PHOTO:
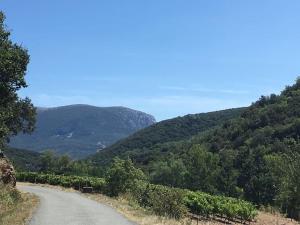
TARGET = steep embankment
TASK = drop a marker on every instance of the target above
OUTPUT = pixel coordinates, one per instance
(7, 172)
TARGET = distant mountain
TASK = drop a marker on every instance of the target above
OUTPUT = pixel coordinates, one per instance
(80, 130)
(141, 145)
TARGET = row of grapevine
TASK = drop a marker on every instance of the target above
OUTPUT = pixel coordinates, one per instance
(76, 182)
(211, 205)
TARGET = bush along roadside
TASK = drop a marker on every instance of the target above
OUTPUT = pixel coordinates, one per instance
(161, 200)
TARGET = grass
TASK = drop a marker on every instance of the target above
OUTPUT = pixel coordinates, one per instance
(16, 207)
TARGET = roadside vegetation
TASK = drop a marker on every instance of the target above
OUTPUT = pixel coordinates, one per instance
(124, 179)
(15, 207)
(254, 156)
(16, 115)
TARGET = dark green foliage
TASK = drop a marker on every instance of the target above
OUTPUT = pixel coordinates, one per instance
(230, 159)
(203, 170)
(269, 126)
(16, 114)
(289, 196)
(24, 160)
(142, 146)
(228, 174)
(171, 172)
(162, 200)
(286, 169)
(51, 163)
(122, 177)
(80, 130)
(48, 162)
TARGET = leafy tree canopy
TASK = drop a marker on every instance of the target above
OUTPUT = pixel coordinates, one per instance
(16, 114)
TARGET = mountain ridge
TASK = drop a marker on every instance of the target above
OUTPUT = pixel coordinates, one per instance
(79, 130)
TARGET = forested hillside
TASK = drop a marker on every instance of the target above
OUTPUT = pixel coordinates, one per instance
(80, 130)
(254, 156)
(155, 136)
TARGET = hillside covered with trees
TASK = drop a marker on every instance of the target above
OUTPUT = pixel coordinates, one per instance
(254, 156)
(23, 160)
(155, 136)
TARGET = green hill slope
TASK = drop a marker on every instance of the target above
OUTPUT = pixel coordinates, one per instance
(80, 130)
(269, 128)
(255, 155)
(23, 160)
(142, 144)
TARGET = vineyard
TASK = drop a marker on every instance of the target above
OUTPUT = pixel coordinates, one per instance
(76, 182)
(162, 200)
(219, 206)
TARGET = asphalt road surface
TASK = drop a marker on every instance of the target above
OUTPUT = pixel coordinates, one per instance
(67, 208)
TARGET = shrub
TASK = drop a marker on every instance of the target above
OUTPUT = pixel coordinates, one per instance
(162, 200)
(122, 176)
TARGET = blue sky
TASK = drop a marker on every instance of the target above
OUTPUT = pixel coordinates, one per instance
(163, 57)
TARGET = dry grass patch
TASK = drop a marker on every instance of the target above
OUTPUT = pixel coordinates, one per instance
(16, 208)
(264, 218)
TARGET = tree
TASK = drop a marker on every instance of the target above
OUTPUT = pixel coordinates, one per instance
(227, 180)
(122, 176)
(203, 169)
(47, 161)
(171, 172)
(63, 164)
(16, 114)
(287, 168)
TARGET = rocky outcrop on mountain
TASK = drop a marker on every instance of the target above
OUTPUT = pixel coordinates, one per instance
(7, 172)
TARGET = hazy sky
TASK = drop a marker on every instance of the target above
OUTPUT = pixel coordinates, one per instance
(163, 57)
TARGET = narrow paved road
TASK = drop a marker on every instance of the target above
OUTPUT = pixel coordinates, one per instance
(67, 208)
